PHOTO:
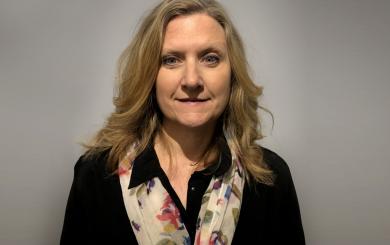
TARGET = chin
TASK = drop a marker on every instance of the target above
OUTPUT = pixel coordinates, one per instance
(196, 122)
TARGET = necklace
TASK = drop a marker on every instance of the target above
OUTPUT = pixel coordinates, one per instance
(195, 163)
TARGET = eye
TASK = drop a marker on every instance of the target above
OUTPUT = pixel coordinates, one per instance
(211, 59)
(169, 60)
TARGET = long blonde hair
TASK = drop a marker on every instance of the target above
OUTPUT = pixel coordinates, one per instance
(137, 117)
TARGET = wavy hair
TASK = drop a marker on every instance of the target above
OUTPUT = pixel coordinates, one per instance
(137, 118)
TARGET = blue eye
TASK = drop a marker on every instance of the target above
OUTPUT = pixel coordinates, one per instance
(169, 60)
(211, 59)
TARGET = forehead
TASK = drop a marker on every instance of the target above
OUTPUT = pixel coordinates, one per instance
(193, 30)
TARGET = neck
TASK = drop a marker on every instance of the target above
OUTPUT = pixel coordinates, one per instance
(183, 144)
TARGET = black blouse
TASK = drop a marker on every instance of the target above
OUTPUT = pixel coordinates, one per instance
(95, 213)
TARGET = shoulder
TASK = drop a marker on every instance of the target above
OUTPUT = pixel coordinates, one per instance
(88, 163)
(279, 167)
(275, 162)
(274, 208)
(91, 168)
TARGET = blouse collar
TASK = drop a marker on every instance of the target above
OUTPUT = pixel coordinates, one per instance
(146, 165)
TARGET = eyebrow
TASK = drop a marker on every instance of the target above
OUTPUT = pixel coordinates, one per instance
(208, 49)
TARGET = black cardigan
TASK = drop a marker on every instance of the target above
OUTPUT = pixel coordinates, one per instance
(95, 213)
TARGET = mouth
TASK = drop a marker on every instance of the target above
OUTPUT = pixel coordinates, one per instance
(192, 100)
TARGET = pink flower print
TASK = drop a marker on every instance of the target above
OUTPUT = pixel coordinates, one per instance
(197, 238)
(219, 201)
(169, 212)
(122, 171)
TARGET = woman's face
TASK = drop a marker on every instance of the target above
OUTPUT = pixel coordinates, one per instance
(193, 83)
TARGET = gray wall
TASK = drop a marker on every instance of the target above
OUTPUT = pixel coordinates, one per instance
(325, 66)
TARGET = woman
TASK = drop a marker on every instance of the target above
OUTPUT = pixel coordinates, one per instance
(177, 161)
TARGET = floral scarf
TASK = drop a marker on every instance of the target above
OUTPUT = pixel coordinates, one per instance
(155, 219)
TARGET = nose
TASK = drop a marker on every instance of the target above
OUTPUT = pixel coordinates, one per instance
(191, 77)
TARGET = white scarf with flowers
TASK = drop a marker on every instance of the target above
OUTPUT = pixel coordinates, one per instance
(155, 219)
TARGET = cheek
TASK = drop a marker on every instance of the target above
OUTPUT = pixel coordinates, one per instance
(162, 98)
(167, 77)
(222, 88)
(165, 89)
(162, 84)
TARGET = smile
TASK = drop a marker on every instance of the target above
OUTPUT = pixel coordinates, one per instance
(192, 100)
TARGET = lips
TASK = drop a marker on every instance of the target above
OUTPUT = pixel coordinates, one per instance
(193, 100)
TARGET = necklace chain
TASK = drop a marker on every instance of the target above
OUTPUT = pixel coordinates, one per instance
(194, 164)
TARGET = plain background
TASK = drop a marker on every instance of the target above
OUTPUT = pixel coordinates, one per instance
(324, 64)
